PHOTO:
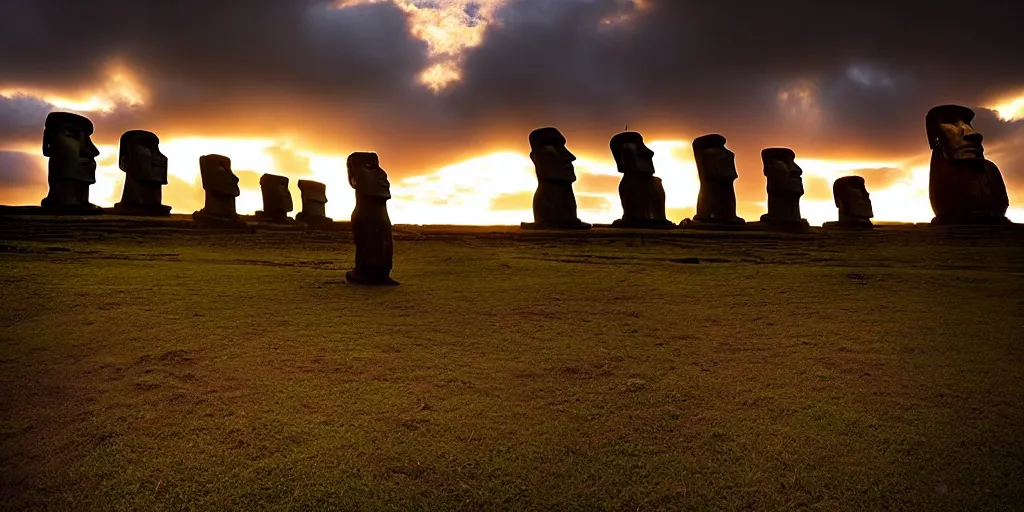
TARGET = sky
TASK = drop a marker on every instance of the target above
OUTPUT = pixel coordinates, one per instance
(446, 92)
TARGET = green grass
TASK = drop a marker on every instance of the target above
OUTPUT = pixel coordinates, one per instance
(162, 368)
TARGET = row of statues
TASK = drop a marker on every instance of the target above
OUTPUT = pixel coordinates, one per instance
(964, 187)
(371, 225)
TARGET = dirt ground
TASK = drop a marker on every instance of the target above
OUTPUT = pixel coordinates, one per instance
(148, 365)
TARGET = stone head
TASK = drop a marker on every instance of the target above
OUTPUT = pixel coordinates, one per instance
(551, 158)
(313, 191)
(784, 175)
(275, 191)
(715, 162)
(631, 154)
(366, 176)
(852, 197)
(67, 141)
(140, 157)
(950, 131)
(217, 175)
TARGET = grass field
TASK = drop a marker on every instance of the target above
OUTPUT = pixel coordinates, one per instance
(155, 367)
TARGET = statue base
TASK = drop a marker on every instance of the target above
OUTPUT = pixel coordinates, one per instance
(735, 225)
(643, 224)
(848, 226)
(972, 221)
(316, 222)
(142, 210)
(207, 221)
(352, 277)
(787, 226)
(545, 226)
(261, 216)
(49, 207)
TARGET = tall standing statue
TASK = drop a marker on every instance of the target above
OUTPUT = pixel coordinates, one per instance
(314, 204)
(221, 186)
(554, 204)
(145, 169)
(67, 141)
(641, 192)
(964, 187)
(277, 199)
(785, 188)
(371, 225)
(716, 170)
(854, 203)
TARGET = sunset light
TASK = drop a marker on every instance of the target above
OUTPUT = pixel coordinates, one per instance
(497, 188)
(120, 87)
(1011, 109)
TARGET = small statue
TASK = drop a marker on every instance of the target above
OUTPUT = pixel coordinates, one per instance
(554, 204)
(277, 199)
(314, 205)
(145, 169)
(221, 186)
(785, 187)
(641, 192)
(964, 187)
(716, 170)
(371, 225)
(67, 141)
(854, 203)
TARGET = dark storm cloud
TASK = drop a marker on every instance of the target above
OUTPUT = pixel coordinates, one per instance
(18, 169)
(703, 66)
(345, 78)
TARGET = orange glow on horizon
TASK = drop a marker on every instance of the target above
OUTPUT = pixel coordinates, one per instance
(497, 188)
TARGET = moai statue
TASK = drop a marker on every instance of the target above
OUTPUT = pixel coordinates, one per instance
(964, 187)
(277, 199)
(854, 203)
(716, 170)
(785, 187)
(314, 204)
(554, 205)
(371, 225)
(221, 186)
(68, 143)
(145, 169)
(641, 192)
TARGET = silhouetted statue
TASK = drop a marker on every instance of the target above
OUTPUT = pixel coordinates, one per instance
(371, 225)
(716, 169)
(554, 205)
(68, 143)
(145, 169)
(314, 204)
(964, 187)
(854, 203)
(277, 199)
(641, 192)
(785, 187)
(221, 186)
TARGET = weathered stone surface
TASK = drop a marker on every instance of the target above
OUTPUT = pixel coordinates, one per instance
(854, 203)
(964, 187)
(785, 188)
(145, 169)
(640, 191)
(554, 203)
(371, 225)
(716, 170)
(277, 199)
(67, 142)
(314, 205)
(221, 187)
